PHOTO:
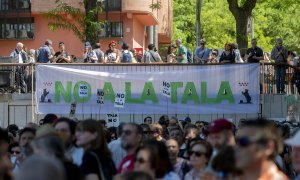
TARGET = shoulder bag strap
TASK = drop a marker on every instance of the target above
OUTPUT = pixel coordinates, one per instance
(99, 165)
(152, 56)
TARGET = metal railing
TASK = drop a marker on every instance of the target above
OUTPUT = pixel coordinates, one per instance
(15, 77)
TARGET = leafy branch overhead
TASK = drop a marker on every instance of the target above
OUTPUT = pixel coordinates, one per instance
(84, 25)
(156, 6)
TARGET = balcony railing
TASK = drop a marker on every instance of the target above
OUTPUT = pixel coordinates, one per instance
(111, 29)
(12, 80)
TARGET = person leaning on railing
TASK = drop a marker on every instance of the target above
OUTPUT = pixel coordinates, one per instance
(296, 76)
(279, 54)
(228, 56)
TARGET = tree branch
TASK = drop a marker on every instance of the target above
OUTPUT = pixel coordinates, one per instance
(233, 7)
(249, 6)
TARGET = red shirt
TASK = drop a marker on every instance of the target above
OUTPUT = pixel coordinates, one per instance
(127, 164)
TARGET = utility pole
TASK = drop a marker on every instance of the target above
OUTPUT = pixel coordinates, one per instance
(198, 23)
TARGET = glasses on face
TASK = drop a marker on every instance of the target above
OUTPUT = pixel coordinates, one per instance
(15, 152)
(197, 153)
(246, 141)
(127, 132)
(140, 160)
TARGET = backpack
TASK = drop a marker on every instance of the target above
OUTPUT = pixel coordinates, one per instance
(189, 56)
(126, 57)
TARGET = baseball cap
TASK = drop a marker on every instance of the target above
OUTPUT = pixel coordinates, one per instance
(220, 125)
(294, 141)
(87, 44)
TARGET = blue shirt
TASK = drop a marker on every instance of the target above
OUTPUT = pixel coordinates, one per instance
(44, 54)
(202, 54)
(182, 51)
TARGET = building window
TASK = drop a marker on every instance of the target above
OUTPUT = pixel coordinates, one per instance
(16, 28)
(111, 29)
(14, 5)
(112, 5)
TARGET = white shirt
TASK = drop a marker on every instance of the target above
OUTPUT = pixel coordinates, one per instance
(118, 153)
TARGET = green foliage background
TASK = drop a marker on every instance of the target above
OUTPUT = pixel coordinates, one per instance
(272, 19)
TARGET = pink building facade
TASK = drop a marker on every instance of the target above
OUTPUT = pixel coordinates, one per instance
(23, 21)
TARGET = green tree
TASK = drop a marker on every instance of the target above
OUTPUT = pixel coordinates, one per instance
(84, 25)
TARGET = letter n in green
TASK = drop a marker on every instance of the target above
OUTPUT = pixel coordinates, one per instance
(61, 91)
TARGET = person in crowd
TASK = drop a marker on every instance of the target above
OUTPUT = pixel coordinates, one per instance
(62, 56)
(118, 153)
(173, 123)
(99, 53)
(13, 129)
(89, 56)
(157, 130)
(199, 153)
(171, 54)
(296, 77)
(48, 119)
(131, 138)
(164, 122)
(148, 120)
(191, 132)
(202, 126)
(202, 53)
(18, 54)
(147, 133)
(26, 135)
(255, 53)
(279, 54)
(238, 58)
(136, 57)
(6, 166)
(14, 151)
(224, 164)
(181, 56)
(294, 142)
(221, 133)
(96, 162)
(214, 56)
(65, 127)
(153, 158)
(180, 165)
(31, 56)
(177, 134)
(112, 133)
(258, 143)
(228, 55)
(37, 167)
(127, 56)
(151, 56)
(50, 145)
(112, 55)
(45, 53)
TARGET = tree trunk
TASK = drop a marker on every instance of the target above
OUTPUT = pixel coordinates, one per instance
(241, 32)
(241, 15)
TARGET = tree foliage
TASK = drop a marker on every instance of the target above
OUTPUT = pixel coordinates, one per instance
(84, 25)
(272, 19)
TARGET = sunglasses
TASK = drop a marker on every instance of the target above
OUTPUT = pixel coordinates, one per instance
(246, 141)
(15, 152)
(140, 160)
(127, 132)
(197, 153)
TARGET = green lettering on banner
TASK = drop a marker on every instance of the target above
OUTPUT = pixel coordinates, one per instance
(128, 98)
(174, 87)
(149, 93)
(204, 98)
(190, 94)
(61, 91)
(225, 93)
(109, 93)
(76, 92)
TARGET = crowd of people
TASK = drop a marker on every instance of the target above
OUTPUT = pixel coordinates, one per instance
(167, 149)
(176, 53)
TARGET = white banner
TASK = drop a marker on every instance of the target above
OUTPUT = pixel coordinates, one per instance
(208, 89)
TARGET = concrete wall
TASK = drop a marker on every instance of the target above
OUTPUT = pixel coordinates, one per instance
(17, 109)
